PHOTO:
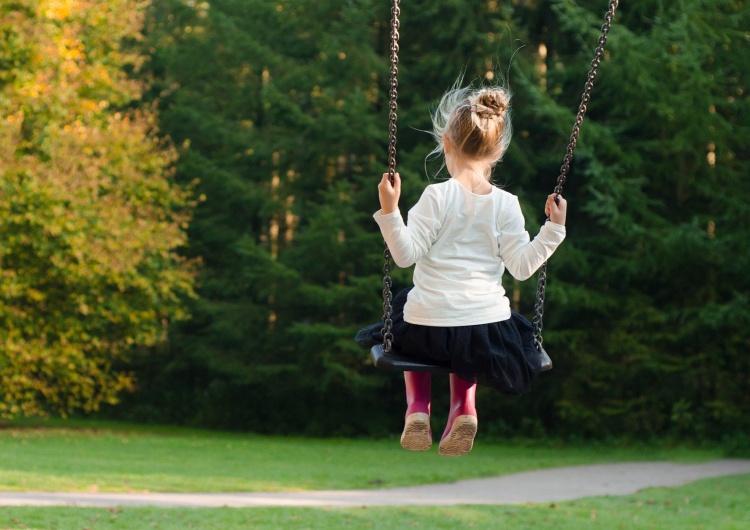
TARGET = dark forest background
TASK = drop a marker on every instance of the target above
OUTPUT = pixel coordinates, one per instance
(278, 111)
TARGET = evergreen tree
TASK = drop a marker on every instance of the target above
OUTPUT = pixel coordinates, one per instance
(280, 115)
(281, 112)
(646, 313)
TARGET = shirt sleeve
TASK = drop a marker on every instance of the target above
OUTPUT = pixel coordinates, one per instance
(409, 242)
(521, 256)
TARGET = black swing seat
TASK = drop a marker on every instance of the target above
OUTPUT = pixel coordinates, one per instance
(401, 363)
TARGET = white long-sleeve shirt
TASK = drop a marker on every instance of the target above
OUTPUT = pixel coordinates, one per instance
(462, 243)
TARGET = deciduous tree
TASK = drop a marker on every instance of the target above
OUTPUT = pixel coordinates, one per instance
(89, 216)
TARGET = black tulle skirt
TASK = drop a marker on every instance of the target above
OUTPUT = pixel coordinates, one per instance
(500, 355)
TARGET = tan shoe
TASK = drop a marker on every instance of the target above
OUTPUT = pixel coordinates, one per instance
(460, 438)
(417, 435)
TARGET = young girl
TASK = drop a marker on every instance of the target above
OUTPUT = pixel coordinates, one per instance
(462, 234)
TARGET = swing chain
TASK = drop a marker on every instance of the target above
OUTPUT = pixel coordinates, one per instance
(392, 129)
(541, 285)
(568, 158)
(387, 302)
(393, 92)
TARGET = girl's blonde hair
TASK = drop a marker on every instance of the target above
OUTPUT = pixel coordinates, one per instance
(477, 122)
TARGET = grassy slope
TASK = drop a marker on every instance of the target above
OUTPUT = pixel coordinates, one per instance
(95, 457)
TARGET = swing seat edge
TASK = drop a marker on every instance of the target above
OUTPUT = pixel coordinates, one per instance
(402, 363)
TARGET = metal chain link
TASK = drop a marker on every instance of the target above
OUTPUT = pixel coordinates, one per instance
(565, 169)
(392, 129)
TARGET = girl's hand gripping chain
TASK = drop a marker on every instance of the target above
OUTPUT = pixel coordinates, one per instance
(389, 193)
(556, 210)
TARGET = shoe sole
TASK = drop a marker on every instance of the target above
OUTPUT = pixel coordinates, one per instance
(460, 439)
(417, 435)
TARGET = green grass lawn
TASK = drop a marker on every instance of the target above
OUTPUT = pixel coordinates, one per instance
(709, 504)
(88, 456)
(94, 456)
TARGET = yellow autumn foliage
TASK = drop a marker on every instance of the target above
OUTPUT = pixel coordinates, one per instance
(90, 219)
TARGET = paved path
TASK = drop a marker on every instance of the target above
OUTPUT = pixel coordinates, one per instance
(550, 485)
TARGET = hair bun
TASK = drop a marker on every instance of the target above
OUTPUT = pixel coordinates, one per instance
(495, 100)
(476, 120)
